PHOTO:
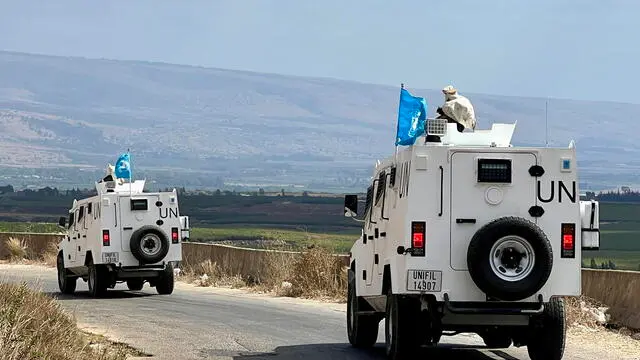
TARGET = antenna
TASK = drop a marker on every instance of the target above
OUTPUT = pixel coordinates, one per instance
(546, 122)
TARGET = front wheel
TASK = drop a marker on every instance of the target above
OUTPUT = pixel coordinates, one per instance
(66, 283)
(165, 284)
(362, 330)
(547, 340)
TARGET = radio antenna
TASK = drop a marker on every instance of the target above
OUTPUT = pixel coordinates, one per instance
(546, 122)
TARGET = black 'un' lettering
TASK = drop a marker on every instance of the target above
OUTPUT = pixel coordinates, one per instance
(550, 196)
(564, 189)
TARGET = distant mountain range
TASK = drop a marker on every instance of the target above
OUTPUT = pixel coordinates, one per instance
(62, 119)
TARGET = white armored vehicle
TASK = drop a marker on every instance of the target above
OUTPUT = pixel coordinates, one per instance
(465, 233)
(122, 234)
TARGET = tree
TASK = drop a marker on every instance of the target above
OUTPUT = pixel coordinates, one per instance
(594, 265)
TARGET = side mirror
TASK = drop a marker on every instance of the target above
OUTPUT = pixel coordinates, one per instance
(350, 205)
(62, 222)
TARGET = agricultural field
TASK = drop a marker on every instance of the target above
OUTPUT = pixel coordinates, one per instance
(620, 237)
(278, 239)
(29, 227)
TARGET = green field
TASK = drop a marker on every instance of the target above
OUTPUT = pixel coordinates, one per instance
(29, 227)
(275, 238)
(623, 260)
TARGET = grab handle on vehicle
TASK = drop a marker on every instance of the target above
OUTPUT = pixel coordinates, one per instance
(441, 189)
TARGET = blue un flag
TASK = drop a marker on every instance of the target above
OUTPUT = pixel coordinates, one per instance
(123, 167)
(412, 115)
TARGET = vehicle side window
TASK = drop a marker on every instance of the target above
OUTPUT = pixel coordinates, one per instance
(76, 222)
(382, 184)
(369, 201)
(71, 219)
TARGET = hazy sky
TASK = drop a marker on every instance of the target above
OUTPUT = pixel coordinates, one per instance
(581, 49)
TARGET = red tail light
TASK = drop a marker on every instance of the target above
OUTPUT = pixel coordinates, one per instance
(418, 237)
(106, 240)
(174, 235)
(418, 240)
(568, 241)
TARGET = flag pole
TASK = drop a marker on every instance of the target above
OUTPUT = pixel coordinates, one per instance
(395, 153)
(130, 172)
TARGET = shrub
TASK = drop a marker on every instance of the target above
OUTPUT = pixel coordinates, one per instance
(33, 326)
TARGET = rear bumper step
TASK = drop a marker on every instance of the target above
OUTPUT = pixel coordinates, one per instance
(495, 307)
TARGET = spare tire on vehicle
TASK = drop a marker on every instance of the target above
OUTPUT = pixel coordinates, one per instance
(149, 244)
(510, 258)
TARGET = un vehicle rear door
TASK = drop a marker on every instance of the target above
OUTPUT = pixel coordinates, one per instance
(136, 211)
(484, 187)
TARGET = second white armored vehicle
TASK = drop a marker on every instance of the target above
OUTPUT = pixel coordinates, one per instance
(122, 234)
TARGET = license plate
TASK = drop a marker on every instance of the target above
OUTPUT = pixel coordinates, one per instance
(424, 280)
(110, 257)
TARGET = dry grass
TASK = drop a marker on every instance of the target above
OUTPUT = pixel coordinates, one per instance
(50, 256)
(578, 310)
(317, 274)
(17, 249)
(314, 274)
(208, 273)
(34, 326)
(18, 252)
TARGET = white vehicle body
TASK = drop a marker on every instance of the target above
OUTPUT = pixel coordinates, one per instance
(472, 234)
(122, 234)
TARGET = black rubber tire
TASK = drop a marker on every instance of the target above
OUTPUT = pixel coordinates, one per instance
(401, 335)
(135, 284)
(547, 341)
(478, 256)
(136, 245)
(66, 284)
(165, 283)
(97, 280)
(362, 330)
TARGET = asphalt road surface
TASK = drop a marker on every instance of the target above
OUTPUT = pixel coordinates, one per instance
(209, 323)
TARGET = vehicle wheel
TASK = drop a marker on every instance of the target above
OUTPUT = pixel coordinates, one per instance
(66, 283)
(362, 330)
(97, 281)
(401, 335)
(135, 284)
(547, 341)
(510, 258)
(149, 244)
(496, 339)
(164, 285)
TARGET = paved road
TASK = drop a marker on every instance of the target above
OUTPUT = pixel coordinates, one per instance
(199, 323)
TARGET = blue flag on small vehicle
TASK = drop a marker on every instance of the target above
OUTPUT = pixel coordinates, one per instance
(123, 166)
(412, 115)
